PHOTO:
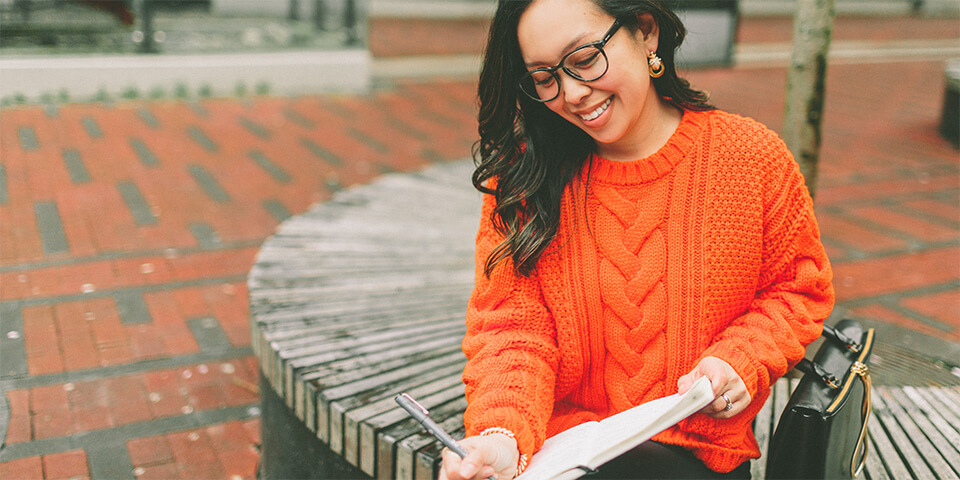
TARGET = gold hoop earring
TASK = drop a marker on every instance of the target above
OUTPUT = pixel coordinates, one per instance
(656, 65)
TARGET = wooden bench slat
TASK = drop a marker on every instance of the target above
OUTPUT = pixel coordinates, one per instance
(384, 411)
(334, 402)
(946, 422)
(292, 322)
(912, 422)
(448, 333)
(944, 458)
(885, 450)
(900, 439)
(317, 348)
(390, 359)
(763, 431)
(426, 466)
(344, 396)
(370, 429)
(408, 438)
(393, 338)
(873, 467)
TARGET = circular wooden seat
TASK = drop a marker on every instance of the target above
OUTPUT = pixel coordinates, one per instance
(359, 299)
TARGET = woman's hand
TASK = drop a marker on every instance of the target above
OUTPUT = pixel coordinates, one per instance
(487, 455)
(731, 393)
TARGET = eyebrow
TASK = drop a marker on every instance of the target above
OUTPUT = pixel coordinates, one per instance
(574, 43)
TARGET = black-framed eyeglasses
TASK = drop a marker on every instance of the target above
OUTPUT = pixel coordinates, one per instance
(586, 63)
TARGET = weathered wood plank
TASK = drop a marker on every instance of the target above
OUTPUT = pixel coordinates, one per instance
(370, 428)
(943, 458)
(398, 445)
(873, 467)
(912, 422)
(899, 438)
(763, 431)
(336, 401)
(374, 342)
(885, 450)
(339, 372)
(427, 460)
(945, 420)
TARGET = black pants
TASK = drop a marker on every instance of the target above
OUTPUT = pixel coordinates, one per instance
(652, 460)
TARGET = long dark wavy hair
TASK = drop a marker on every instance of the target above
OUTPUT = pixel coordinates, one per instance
(530, 152)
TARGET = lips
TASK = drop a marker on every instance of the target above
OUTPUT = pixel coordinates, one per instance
(596, 113)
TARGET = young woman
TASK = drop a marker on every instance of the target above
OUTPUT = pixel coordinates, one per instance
(633, 239)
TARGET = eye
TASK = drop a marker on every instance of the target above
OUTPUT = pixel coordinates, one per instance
(584, 58)
(542, 79)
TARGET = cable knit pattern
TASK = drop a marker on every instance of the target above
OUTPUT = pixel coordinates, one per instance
(709, 247)
(632, 244)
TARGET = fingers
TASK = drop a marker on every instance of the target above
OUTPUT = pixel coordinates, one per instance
(450, 468)
(486, 456)
(686, 381)
(731, 392)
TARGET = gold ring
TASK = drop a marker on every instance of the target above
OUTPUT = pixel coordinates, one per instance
(729, 403)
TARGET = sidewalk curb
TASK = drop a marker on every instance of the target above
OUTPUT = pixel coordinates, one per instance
(760, 55)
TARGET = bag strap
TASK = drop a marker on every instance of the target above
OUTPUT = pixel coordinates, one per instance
(839, 337)
(861, 370)
(813, 368)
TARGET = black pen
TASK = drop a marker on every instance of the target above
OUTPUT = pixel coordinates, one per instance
(420, 414)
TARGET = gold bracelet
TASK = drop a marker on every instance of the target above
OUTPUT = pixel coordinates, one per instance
(522, 463)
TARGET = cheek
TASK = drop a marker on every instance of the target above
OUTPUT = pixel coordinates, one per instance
(556, 106)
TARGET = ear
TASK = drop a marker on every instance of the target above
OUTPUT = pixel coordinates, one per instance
(648, 31)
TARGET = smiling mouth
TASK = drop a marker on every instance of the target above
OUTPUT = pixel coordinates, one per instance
(596, 113)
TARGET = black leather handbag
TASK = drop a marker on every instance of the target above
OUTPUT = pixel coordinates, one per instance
(822, 432)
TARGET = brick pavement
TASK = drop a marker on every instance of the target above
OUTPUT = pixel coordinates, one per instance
(127, 230)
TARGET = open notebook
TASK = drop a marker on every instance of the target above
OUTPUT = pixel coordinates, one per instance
(581, 449)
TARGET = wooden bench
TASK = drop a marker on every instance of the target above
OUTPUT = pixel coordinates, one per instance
(364, 297)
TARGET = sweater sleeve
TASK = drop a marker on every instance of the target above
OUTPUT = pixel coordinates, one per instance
(511, 349)
(794, 292)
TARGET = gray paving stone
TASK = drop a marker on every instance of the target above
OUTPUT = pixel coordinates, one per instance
(137, 205)
(143, 153)
(148, 117)
(13, 355)
(255, 128)
(321, 153)
(276, 209)
(28, 138)
(52, 236)
(132, 308)
(92, 127)
(268, 166)
(75, 166)
(209, 184)
(202, 139)
(207, 238)
(208, 333)
(4, 193)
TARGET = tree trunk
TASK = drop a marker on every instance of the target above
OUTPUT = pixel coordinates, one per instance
(812, 30)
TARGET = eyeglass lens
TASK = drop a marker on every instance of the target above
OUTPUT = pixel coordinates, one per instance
(586, 63)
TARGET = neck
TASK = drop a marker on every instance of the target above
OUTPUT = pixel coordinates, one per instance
(650, 134)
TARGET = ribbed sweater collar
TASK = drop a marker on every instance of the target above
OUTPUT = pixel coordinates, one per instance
(677, 148)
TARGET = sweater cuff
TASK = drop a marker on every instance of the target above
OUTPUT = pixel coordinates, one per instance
(741, 362)
(509, 419)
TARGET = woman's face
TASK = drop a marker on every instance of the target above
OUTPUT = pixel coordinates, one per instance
(614, 109)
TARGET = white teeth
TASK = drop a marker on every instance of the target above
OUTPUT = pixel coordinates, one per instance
(596, 113)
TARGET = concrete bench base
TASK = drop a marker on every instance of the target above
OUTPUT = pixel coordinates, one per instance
(290, 450)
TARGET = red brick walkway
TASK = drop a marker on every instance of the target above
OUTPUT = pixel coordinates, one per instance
(127, 231)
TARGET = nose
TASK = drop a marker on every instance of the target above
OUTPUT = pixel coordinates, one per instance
(573, 90)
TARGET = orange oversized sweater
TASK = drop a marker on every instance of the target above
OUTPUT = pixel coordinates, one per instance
(709, 247)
